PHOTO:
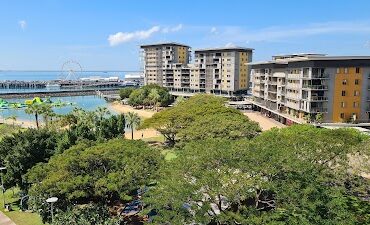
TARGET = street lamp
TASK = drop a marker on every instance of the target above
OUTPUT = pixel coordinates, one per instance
(2, 184)
(52, 200)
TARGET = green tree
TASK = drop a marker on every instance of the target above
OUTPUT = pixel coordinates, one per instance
(319, 117)
(179, 100)
(126, 92)
(154, 97)
(93, 173)
(36, 110)
(133, 120)
(201, 117)
(46, 110)
(13, 118)
(101, 112)
(296, 175)
(21, 151)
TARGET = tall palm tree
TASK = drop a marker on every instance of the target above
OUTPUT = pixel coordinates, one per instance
(133, 120)
(47, 112)
(12, 117)
(154, 97)
(34, 109)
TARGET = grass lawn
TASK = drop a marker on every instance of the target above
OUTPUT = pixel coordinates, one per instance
(154, 139)
(19, 217)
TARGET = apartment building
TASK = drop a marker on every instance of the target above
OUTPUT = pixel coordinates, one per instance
(304, 85)
(217, 70)
(221, 70)
(160, 59)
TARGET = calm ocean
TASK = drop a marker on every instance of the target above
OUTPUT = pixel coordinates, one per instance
(85, 102)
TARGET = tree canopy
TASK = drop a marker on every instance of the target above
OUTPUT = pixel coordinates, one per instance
(126, 92)
(97, 173)
(150, 95)
(296, 175)
(200, 117)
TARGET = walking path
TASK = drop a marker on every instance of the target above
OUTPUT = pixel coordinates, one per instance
(4, 220)
(264, 122)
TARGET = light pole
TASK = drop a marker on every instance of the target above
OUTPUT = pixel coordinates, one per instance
(2, 184)
(52, 200)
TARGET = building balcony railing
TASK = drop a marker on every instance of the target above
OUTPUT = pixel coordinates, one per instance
(272, 82)
(292, 86)
(293, 97)
(317, 98)
(315, 87)
(318, 110)
(272, 90)
(293, 76)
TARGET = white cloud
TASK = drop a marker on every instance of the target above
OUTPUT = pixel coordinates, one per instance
(172, 29)
(230, 45)
(214, 30)
(122, 37)
(22, 24)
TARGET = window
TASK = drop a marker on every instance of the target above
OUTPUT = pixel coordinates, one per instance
(357, 82)
(342, 115)
(357, 69)
(356, 105)
(346, 70)
(342, 104)
(356, 93)
(343, 93)
(344, 82)
(338, 70)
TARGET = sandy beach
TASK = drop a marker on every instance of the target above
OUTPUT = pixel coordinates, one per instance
(21, 123)
(144, 114)
(264, 122)
(119, 108)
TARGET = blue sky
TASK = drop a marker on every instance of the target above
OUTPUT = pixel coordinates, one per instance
(106, 34)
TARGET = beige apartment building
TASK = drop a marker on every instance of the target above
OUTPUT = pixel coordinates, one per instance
(304, 85)
(217, 70)
(160, 59)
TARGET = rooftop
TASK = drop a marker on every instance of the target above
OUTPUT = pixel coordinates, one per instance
(164, 44)
(285, 59)
(236, 48)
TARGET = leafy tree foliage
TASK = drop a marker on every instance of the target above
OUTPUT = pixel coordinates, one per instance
(150, 95)
(133, 121)
(21, 151)
(85, 215)
(93, 173)
(297, 175)
(125, 92)
(200, 117)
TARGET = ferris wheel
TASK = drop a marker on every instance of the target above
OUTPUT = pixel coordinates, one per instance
(71, 70)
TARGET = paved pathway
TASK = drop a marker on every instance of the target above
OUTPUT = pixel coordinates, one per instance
(4, 220)
(265, 123)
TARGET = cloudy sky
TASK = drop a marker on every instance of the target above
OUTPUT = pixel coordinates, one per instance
(106, 34)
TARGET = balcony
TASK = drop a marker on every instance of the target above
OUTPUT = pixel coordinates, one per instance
(292, 76)
(320, 76)
(292, 86)
(315, 87)
(272, 82)
(318, 110)
(318, 99)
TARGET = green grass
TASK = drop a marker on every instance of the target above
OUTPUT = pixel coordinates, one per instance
(155, 139)
(169, 155)
(18, 217)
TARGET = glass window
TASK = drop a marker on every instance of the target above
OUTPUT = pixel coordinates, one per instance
(346, 70)
(342, 115)
(357, 69)
(357, 82)
(344, 82)
(343, 93)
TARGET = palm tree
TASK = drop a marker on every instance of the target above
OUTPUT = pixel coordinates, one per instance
(12, 117)
(34, 109)
(133, 120)
(154, 97)
(47, 112)
(101, 112)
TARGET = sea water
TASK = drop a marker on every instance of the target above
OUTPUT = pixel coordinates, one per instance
(84, 102)
(88, 103)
